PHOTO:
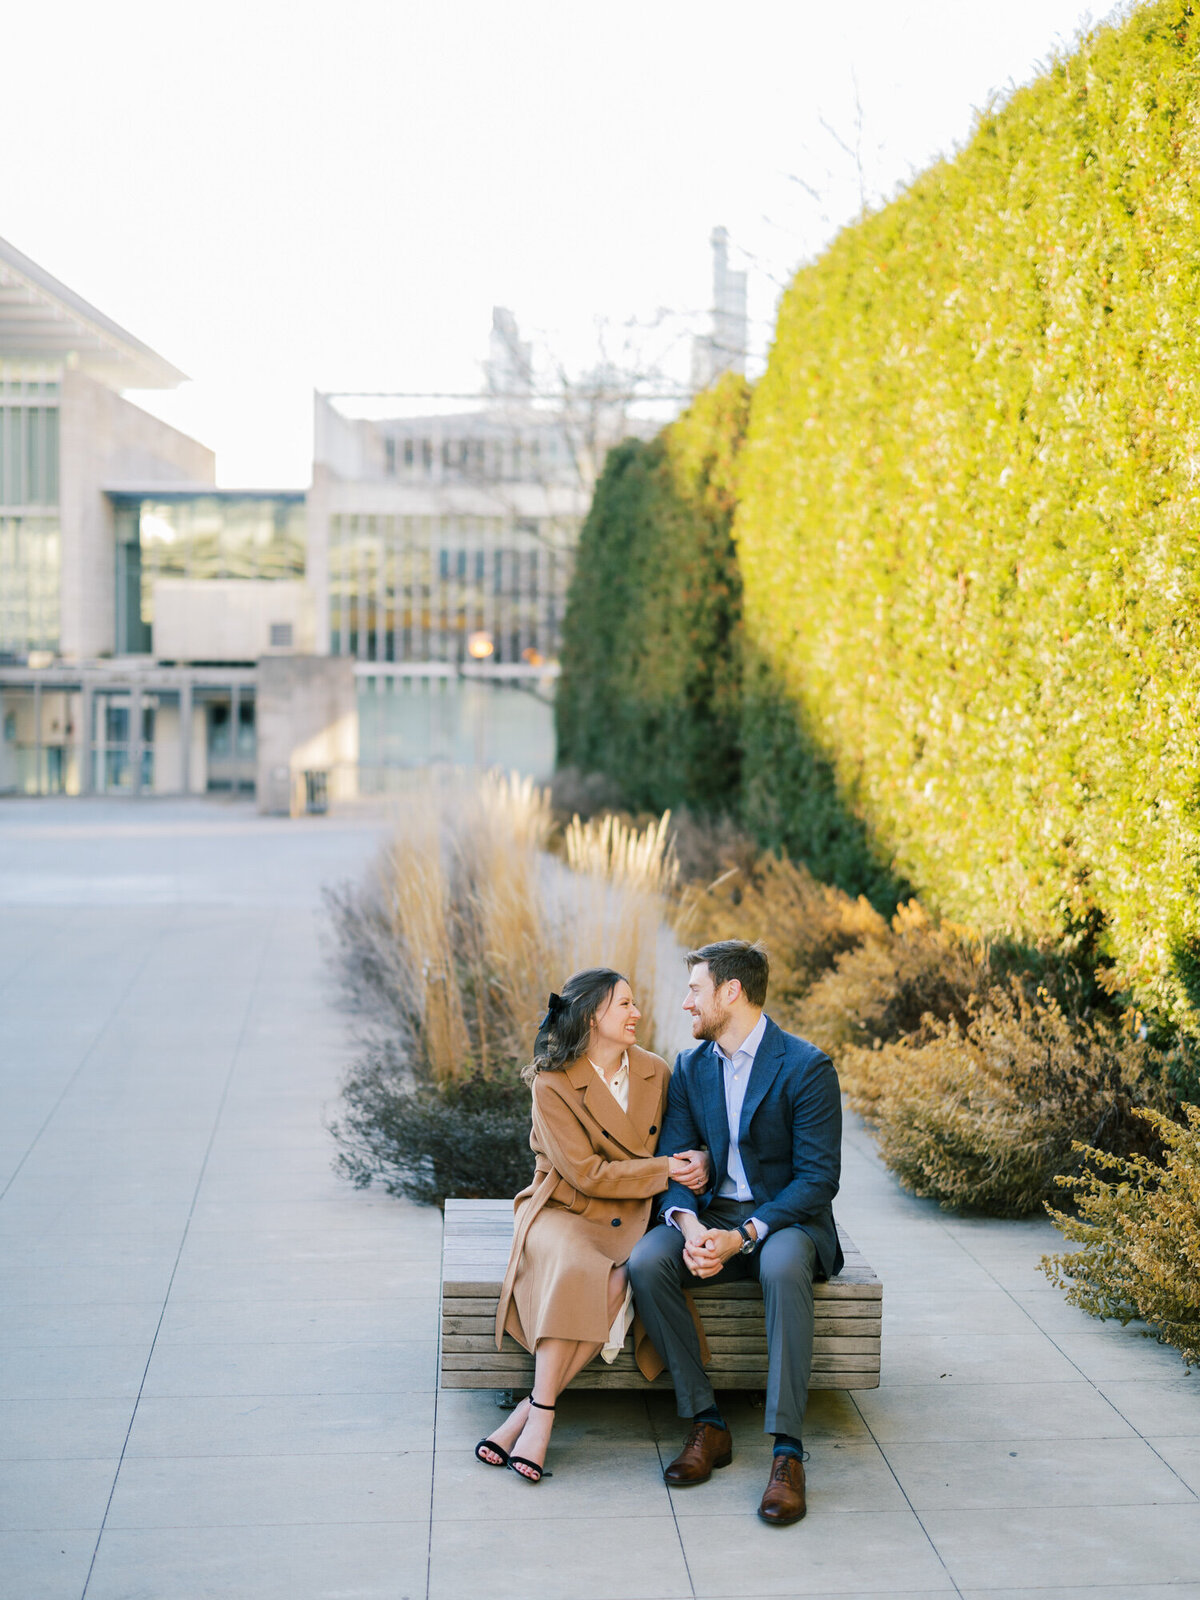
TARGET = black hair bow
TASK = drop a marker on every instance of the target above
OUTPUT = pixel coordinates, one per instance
(555, 1006)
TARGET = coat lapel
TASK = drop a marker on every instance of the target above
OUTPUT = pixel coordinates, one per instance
(643, 1099)
(767, 1062)
(716, 1117)
(602, 1105)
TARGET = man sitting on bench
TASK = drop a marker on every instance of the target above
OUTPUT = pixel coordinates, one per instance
(768, 1107)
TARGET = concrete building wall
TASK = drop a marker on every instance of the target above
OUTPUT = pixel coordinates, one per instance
(317, 513)
(306, 715)
(168, 752)
(105, 442)
(230, 619)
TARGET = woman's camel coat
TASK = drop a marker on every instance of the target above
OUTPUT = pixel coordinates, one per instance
(588, 1205)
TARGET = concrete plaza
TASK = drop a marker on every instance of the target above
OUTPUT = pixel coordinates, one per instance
(218, 1363)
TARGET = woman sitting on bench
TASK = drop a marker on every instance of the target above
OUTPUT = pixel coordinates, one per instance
(598, 1103)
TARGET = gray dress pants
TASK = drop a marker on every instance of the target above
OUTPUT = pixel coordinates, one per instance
(783, 1265)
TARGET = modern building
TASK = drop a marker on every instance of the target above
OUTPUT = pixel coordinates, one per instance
(161, 635)
(442, 543)
(136, 599)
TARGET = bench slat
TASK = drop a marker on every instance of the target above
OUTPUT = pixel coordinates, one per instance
(748, 1370)
(598, 1376)
(478, 1287)
(750, 1344)
(849, 1328)
(717, 1302)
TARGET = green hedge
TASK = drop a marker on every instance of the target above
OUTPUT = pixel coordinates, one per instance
(650, 687)
(968, 527)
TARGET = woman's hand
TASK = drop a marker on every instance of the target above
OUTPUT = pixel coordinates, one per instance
(690, 1168)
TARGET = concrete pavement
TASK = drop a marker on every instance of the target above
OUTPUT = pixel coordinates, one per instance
(217, 1363)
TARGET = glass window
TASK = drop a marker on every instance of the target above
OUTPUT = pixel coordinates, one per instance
(30, 557)
(206, 536)
(28, 447)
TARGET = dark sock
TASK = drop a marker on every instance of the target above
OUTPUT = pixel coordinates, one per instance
(787, 1445)
(711, 1415)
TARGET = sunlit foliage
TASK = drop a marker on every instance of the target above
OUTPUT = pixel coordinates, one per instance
(651, 669)
(969, 524)
(1138, 1225)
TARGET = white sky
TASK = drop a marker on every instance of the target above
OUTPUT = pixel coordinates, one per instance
(279, 197)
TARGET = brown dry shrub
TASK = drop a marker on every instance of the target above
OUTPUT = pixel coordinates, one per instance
(900, 981)
(1139, 1227)
(804, 924)
(983, 1116)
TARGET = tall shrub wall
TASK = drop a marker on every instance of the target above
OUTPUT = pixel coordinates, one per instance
(969, 528)
(651, 663)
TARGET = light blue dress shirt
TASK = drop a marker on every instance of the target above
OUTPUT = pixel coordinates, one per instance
(736, 1073)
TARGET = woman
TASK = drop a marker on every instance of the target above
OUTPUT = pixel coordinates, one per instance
(598, 1103)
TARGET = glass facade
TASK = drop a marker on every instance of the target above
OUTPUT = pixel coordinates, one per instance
(415, 589)
(39, 741)
(30, 545)
(409, 722)
(113, 748)
(216, 535)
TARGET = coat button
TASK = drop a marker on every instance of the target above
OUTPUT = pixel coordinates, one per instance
(616, 1222)
(653, 1128)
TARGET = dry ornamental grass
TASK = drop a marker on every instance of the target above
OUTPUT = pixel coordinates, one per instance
(450, 951)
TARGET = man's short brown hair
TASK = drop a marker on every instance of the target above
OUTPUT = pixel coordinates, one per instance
(735, 958)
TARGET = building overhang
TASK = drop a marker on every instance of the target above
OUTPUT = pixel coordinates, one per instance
(41, 320)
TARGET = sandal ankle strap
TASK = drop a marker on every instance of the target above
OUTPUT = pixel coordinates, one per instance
(539, 1404)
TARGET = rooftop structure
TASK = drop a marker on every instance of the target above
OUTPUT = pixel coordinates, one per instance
(724, 348)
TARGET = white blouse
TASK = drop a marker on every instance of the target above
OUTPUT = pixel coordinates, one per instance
(623, 1321)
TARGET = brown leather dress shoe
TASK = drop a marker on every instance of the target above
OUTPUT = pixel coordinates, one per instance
(705, 1448)
(783, 1499)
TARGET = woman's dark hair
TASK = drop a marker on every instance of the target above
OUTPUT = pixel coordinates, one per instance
(567, 1026)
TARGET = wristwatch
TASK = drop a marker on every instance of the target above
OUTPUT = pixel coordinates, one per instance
(748, 1240)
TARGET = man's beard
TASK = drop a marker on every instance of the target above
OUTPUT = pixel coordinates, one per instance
(712, 1026)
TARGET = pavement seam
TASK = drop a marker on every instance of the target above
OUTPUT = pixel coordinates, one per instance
(233, 1066)
(874, 1158)
(853, 1398)
(1091, 1382)
(437, 1391)
(70, 1083)
(687, 1566)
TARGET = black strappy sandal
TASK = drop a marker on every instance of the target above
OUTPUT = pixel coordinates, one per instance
(496, 1449)
(536, 1472)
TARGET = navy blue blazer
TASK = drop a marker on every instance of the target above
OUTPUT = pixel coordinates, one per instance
(790, 1137)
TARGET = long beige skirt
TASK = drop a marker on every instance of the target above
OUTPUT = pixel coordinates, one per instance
(561, 1286)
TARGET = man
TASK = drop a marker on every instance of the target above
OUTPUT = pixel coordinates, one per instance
(767, 1105)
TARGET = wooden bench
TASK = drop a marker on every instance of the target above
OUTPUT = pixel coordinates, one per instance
(475, 1245)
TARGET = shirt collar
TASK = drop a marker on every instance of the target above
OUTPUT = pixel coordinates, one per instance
(623, 1068)
(749, 1045)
